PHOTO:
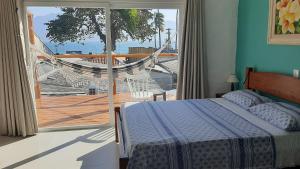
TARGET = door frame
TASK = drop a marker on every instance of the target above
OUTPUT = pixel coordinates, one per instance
(162, 4)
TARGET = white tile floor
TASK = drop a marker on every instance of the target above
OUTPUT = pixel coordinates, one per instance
(85, 149)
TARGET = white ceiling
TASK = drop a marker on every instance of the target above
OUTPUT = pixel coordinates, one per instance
(113, 3)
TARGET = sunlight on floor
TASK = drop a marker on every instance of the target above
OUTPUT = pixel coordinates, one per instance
(85, 149)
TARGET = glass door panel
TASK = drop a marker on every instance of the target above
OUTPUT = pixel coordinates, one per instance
(68, 48)
(145, 42)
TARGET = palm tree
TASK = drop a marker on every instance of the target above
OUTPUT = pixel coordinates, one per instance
(159, 25)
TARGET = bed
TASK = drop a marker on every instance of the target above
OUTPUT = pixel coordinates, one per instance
(207, 133)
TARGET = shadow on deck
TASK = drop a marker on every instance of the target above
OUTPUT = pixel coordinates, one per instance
(85, 110)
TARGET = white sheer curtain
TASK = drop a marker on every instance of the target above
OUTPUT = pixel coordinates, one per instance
(17, 113)
(192, 72)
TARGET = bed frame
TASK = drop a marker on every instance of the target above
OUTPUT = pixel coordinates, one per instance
(275, 84)
(278, 85)
(123, 162)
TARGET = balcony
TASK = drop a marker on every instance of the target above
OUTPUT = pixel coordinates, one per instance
(63, 98)
(71, 89)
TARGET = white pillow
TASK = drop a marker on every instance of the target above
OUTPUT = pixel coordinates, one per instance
(281, 115)
(246, 98)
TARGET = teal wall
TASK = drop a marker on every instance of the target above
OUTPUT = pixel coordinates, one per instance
(252, 47)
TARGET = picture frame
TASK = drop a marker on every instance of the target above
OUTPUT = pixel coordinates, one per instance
(284, 22)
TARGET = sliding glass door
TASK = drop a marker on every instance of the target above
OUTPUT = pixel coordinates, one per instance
(69, 49)
(88, 60)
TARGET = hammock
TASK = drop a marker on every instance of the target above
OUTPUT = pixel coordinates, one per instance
(98, 70)
(81, 74)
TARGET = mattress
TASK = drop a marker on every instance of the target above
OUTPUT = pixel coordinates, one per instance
(206, 133)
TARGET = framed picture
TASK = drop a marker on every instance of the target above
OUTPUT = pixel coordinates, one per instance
(284, 22)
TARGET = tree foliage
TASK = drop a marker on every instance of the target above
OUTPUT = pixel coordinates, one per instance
(78, 24)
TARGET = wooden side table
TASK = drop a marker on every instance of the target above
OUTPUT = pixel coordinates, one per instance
(162, 93)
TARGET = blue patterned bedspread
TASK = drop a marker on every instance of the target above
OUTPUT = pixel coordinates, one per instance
(193, 134)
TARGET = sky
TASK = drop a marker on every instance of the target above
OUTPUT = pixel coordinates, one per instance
(44, 14)
(43, 11)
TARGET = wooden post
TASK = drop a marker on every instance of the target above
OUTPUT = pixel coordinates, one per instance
(30, 28)
(123, 163)
(117, 114)
(37, 88)
(247, 76)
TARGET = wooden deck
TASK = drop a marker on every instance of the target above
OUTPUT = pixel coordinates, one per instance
(66, 111)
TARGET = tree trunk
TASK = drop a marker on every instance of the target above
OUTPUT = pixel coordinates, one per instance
(159, 37)
(113, 38)
(98, 30)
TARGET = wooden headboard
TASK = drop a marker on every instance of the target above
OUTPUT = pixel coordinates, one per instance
(279, 85)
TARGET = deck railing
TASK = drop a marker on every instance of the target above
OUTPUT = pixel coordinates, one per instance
(118, 59)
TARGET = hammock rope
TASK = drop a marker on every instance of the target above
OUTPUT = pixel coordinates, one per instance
(98, 71)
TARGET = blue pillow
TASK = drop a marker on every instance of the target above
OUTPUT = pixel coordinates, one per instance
(281, 115)
(246, 98)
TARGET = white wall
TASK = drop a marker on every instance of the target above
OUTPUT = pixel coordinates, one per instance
(221, 37)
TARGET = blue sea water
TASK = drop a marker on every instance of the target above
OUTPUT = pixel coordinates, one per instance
(95, 46)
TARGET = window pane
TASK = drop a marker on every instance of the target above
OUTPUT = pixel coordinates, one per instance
(145, 42)
(68, 49)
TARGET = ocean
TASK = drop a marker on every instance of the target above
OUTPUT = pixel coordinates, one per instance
(96, 46)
